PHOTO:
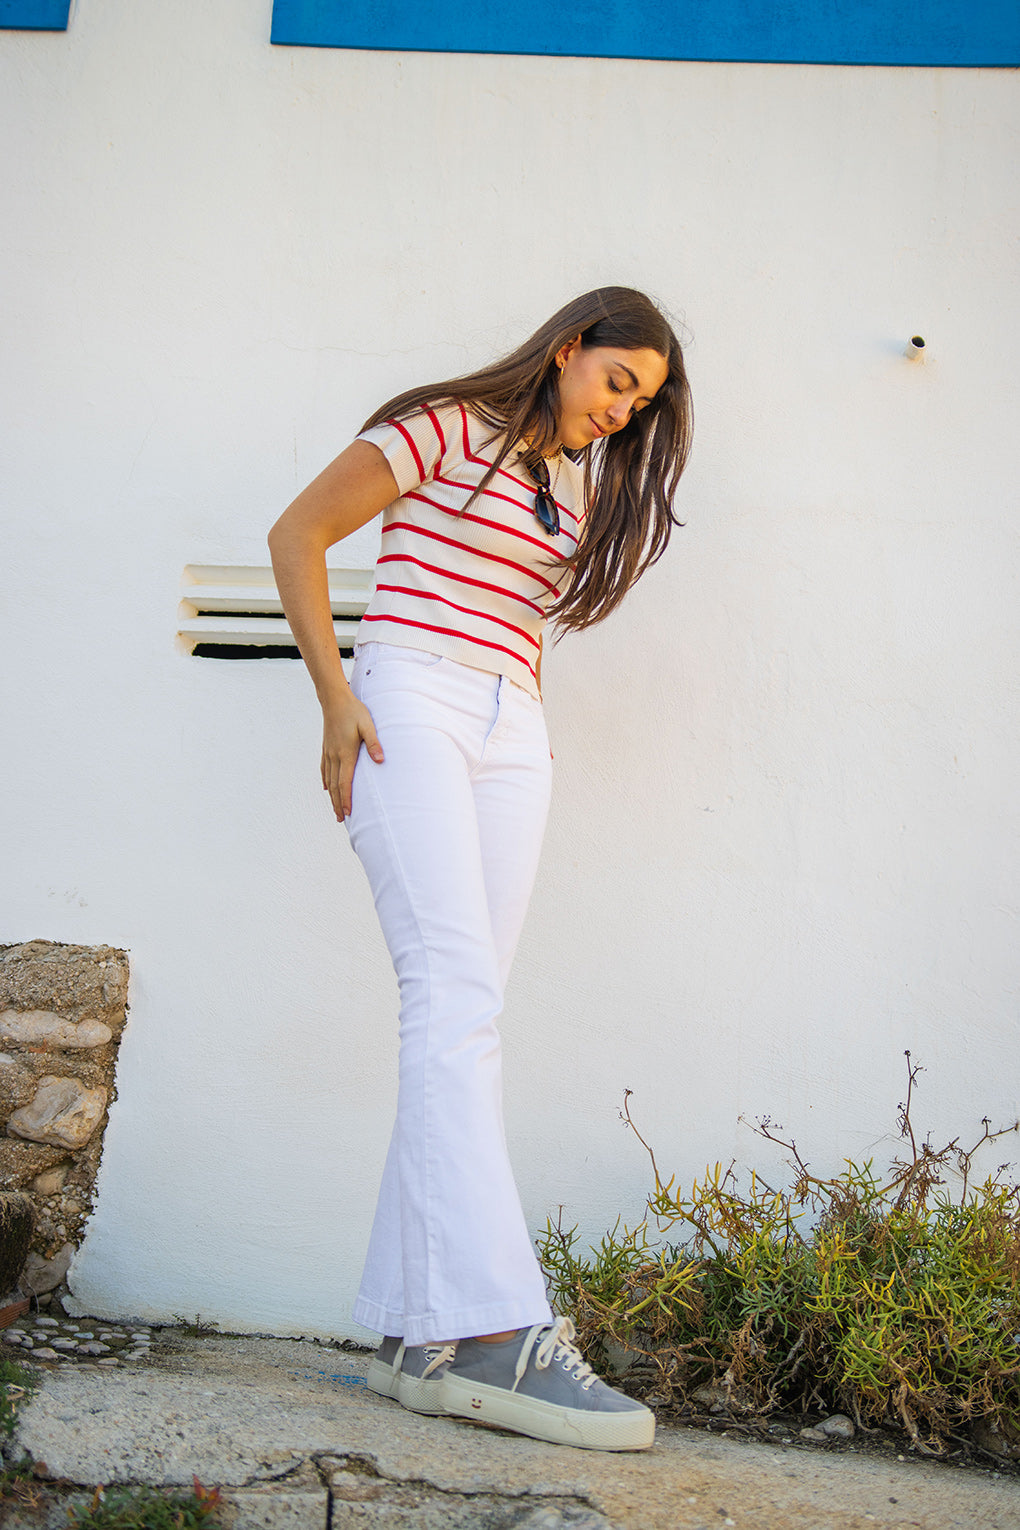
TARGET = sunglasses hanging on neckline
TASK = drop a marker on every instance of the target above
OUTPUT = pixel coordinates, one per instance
(546, 510)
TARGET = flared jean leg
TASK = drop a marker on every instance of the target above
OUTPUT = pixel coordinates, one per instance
(449, 831)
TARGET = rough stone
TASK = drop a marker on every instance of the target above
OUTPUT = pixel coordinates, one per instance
(619, 1357)
(814, 1435)
(419, 1506)
(15, 1083)
(62, 1113)
(73, 1346)
(43, 1275)
(41, 1027)
(62, 1011)
(838, 1427)
(569, 1517)
(719, 1397)
(222, 1408)
(300, 1503)
(996, 1436)
(78, 982)
(20, 1162)
(355, 1486)
(50, 1181)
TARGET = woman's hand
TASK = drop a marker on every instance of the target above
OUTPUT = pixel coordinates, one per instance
(346, 725)
(345, 496)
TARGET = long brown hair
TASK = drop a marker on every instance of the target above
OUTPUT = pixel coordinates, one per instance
(630, 476)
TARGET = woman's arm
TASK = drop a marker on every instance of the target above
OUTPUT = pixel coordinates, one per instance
(346, 495)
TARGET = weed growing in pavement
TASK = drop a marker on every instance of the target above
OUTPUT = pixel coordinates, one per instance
(884, 1295)
(18, 1488)
(198, 1327)
(16, 1383)
(115, 1508)
(146, 1508)
(16, 1484)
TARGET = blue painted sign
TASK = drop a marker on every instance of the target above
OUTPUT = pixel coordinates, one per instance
(35, 15)
(919, 32)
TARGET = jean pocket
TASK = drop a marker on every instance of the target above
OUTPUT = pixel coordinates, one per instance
(385, 654)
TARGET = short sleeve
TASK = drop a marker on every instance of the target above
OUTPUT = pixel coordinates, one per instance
(413, 447)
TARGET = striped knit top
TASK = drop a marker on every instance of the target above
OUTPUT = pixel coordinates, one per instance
(473, 585)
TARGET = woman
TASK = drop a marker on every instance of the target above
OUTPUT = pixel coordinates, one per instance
(538, 487)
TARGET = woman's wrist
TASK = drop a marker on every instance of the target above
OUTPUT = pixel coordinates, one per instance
(334, 694)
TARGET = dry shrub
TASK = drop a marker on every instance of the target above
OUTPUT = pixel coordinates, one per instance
(887, 1296)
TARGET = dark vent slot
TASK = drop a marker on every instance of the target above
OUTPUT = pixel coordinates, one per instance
(234, 612)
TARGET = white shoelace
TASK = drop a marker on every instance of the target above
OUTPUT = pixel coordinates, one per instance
(438, 1353)
(557, 1345)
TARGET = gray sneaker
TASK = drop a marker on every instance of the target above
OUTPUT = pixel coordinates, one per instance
(383, 1368)
(412, 1374)
(538, 1383)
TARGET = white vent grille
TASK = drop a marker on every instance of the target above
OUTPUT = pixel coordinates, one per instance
(232, 611)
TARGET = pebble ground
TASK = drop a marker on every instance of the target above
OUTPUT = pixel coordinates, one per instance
(69, 1341)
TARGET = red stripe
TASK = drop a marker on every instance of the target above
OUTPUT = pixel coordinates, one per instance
(414, 450)
(469, 456)
(529, 488)
(474, 551)
(401, 589)
(529, 510)
(480, 520)
(439, 432)
(480, 584)
(453, 484)
(450, 632)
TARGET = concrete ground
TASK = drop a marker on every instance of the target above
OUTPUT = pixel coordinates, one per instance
(290, 1432)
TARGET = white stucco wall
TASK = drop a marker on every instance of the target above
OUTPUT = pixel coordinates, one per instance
(783, 839)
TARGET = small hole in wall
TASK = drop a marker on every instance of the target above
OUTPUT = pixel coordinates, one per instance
(242, 651)
(251, 651)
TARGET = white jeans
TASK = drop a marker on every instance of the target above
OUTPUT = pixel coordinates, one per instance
(449, 830)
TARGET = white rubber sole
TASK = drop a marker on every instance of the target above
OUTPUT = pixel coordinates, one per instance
(420, 1396)
(632, 1430)
(382, 1379)
(413, 1393)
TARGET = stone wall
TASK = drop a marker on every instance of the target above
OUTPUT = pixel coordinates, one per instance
(62, 1012)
